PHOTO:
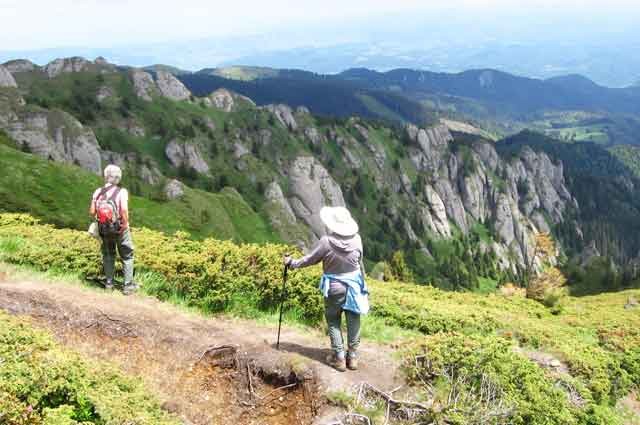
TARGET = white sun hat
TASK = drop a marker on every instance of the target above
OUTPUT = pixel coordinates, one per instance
(339, 221)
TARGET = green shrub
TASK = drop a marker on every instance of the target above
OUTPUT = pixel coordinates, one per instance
(41, 383)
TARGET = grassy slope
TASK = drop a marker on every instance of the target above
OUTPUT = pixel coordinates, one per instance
(60, 194)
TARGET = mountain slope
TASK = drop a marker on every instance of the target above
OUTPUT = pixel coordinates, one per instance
(498, 101)
(60, 194)
(445, 203)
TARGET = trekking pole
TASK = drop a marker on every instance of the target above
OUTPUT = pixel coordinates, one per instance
(283, 297)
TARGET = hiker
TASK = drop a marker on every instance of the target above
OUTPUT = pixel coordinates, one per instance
(342, 283)
(110, 208)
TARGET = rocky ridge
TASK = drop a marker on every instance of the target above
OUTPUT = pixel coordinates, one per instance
(6, 79)
(520, 197)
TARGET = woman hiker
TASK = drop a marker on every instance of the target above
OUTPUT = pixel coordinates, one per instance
(110, 207)
(342, 282)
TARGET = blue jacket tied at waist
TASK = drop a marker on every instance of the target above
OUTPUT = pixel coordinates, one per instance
(357, 300)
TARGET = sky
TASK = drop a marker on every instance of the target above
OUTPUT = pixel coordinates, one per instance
(537, 38)
(42, 24)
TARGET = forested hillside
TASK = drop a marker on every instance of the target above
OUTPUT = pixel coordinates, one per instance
(571, 107)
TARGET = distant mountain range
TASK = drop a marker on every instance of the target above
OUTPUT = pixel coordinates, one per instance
(608, 62)
(572, 106)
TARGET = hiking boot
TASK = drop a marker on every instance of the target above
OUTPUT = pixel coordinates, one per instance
(352, 362)
(108, 285)
(130, 288)
(338, 363)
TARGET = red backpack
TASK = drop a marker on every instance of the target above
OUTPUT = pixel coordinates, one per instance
(108, 213)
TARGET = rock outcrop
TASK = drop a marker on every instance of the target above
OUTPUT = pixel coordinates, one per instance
(143, 84)
(174, 189)
(170, 87)
(6, 79)
(66, 65)
(20, 65)
(226, 100)
(104, 93)
(144, 168)
(312, 188)
(281, 212)
(284, 114)
(471, 183)
(186, 155)
(57, 136)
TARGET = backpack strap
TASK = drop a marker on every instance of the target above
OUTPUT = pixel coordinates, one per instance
(115, 194)
(103, 192)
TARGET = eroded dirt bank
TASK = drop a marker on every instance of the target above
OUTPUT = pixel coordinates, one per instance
(206, 370)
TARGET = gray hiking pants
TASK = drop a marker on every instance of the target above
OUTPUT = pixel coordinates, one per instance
(124, 245)
(333, 313)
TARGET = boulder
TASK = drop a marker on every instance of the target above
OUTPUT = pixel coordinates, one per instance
(174, 189)
(104, 93)
(187, 155)
(284, 114)
(20, 65)
(313, 135)
(66, 65)
(57, 136)
(143, 84)
(170, 87)
(264, 137)
(221, 99)
(312, 188)
(6, 79)
(239, 150)
(362, 131)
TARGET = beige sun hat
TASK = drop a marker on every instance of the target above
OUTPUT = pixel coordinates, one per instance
(339, 221)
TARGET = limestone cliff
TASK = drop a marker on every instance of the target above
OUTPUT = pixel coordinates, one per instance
(57, 136)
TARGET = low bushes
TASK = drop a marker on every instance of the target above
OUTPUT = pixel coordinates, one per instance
(41, 383)
(596, 337)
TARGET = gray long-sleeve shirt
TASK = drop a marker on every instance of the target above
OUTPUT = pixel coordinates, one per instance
(338, 254)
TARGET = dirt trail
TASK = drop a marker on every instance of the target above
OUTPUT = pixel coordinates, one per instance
(171, 351)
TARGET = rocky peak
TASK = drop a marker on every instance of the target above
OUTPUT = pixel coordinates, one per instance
(20, 65)
(170, 87)
(101, 61)
(6, 79)
(65, 65)
(284, 114)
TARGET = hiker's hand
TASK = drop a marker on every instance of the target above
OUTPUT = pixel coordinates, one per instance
(287, 260)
